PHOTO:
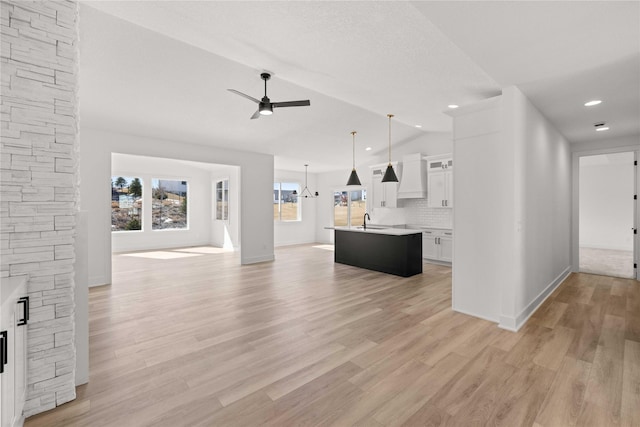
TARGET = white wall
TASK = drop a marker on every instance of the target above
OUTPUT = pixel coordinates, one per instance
(198, 199)
(303, 231)
(256, 178)
(512, 215)
(629, 143)
(543, 202)
(606, 204)
(483, 196)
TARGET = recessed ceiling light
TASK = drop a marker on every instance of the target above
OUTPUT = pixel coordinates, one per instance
(452, 106)
(368, 149)
(592, 103)
(418, 126)
(601, 128)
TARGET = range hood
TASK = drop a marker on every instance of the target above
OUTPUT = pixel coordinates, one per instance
(413, 184)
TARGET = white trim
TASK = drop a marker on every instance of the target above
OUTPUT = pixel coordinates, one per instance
(98, 281)
(258, 259)
(575, 196)
(514, 324)
(469, 313)
(295, 242)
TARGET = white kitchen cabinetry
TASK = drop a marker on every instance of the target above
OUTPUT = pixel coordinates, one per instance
(440, 181)
(383, 194)
(437, 245)
(13, 350)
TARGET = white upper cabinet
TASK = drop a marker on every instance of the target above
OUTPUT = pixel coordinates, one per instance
(440, 181)
(383, 194)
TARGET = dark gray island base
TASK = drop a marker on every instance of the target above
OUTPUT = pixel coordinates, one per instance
(390, 251)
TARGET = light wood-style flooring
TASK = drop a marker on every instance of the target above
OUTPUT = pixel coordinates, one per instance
(191, 338)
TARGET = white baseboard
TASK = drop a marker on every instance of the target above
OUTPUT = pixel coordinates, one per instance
(294, 242)
(514, 324)
(97, 281)
(257, 259)
(469, 313)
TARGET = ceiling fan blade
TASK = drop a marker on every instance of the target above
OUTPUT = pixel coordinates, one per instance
(244, 95)
(304, 103)
(256, 115)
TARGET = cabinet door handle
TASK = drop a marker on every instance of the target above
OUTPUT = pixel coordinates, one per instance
(441, 202)
(25, 311)
(3, 350)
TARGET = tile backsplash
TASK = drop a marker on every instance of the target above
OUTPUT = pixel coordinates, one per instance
(417, 211)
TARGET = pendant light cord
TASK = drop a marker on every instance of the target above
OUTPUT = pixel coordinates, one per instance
(389, 115)
(353, 134)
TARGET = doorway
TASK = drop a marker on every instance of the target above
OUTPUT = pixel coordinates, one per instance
(607, 214)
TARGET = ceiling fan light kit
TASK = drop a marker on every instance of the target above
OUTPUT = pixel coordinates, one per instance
(389, 174)
(353, 178)
(265, 106)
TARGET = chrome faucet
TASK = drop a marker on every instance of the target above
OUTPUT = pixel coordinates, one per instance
(364, 220)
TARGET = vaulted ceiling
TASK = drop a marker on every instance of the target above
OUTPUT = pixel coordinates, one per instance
(161, 68)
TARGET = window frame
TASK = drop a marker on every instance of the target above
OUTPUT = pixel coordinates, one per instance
(279, 200)
(347, 190)
(224, 200)
(183, 181)
(130, 177)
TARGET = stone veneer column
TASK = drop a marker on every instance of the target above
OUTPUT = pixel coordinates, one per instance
(39, 184)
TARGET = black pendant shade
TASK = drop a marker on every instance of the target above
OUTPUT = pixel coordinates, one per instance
(389, 175)
(353, 178)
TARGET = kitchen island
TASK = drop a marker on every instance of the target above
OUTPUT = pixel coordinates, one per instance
(391, 250)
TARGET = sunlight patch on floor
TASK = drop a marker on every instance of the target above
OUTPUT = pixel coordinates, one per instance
(325, 247)
(161, 255)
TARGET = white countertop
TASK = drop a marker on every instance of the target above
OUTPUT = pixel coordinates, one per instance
(427, 227)
(387, 231)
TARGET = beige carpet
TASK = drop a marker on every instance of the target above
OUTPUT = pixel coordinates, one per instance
(607, 262)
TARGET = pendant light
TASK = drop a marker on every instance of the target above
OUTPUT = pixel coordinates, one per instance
(353, 178)
(389, 175)
(305, 191)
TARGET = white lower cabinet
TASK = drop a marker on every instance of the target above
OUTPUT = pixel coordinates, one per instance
(437, 245)
(14, 316)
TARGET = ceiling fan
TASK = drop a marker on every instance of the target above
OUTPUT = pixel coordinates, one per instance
(265, 106)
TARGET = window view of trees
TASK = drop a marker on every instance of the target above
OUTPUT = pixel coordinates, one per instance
(285, 202)
(168, 204)
(349, 207)
(126, 203)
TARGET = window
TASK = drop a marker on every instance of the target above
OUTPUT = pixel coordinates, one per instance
(285, 202)
(349, 207)
(126, 203)
(168, 204)
(222, 200)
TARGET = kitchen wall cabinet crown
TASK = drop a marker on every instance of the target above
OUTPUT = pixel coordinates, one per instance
(440, 181)
(383, 194)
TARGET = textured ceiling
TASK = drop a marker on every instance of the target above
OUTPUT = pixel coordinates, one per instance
(167, 75)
